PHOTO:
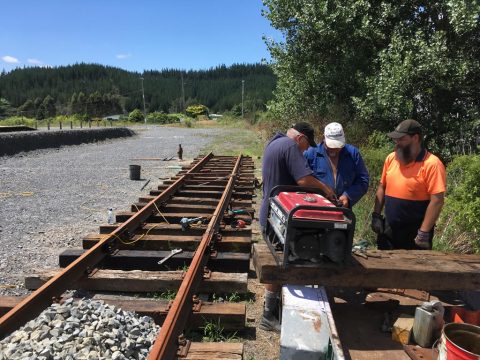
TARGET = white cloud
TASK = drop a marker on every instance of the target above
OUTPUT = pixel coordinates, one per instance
(123, 56)
(35, 62)
(10, 59)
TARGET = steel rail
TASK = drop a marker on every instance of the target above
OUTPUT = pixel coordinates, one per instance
(34, 304)
(166, 344)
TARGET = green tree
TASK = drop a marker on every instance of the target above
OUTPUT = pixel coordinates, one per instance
(5, 108)
(48, 107)
(27, 109)
(379, 62)
(136, 116)
(74, 103)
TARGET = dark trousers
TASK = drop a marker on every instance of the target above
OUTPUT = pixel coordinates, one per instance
(400, 237)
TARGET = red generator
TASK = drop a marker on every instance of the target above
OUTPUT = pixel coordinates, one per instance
(305, 228)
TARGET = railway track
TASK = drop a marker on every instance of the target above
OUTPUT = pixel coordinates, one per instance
(204, 211)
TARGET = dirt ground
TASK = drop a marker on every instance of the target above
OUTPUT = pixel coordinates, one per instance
(259, 344)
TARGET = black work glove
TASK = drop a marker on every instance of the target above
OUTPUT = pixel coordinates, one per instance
(422, 240)
(378, 223)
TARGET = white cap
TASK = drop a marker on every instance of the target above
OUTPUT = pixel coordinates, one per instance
(334, 136)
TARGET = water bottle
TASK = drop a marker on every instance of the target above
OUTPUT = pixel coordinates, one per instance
(111, 217)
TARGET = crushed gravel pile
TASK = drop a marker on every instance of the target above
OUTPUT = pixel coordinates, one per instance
(82, 330)
(50, 199)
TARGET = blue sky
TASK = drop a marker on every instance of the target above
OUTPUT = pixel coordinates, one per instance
(133, 35)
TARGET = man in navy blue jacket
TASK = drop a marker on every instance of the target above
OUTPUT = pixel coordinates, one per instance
(339, 165)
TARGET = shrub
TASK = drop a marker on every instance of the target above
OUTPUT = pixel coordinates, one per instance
(459, 222)
(135, 116)
(196, 110)
(157, 117)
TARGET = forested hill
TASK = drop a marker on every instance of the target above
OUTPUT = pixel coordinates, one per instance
(218, 88)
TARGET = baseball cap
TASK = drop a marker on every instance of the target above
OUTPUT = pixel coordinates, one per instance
(334, 136)
(307, 130)
(406, 127)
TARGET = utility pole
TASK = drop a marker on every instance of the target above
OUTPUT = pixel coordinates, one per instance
(143, 96)
(183, 93)
(243, 92)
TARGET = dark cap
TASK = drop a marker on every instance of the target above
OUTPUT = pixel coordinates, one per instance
(406, 127)
(307, 130)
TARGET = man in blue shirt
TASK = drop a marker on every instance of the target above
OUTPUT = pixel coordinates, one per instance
(339, 165)
(283, 164)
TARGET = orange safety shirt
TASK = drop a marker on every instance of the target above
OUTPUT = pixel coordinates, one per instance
(408, 187)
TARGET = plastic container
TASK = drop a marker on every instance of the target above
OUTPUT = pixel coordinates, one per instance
(111, 217)
(428, 323)
(460, 342)
(134, 172)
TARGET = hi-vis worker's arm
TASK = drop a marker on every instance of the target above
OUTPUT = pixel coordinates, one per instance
(433, 212)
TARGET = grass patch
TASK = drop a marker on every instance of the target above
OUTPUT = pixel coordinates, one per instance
(235, 297)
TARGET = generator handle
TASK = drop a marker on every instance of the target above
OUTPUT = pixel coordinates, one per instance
(279, 188)
(346, 211)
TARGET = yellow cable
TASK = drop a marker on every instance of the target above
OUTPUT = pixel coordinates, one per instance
(164, 218)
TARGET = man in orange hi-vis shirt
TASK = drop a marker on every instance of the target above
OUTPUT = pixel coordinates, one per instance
(412, 188)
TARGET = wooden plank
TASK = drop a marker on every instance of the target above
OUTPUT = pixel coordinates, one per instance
(168, 242)
(143, 281)
(215, 351)
(230, 315)
(207, 194)
(184, 208)
(178, 208)
(148, 260)
(8, 302)
(123, 216)
(209, 187)
(407, 269)
(173, 229)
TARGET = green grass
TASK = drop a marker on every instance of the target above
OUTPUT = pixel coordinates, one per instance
(248, 297)
(215, 332)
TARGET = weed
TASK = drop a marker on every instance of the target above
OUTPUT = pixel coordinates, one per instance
(214, 331)
(165, 295)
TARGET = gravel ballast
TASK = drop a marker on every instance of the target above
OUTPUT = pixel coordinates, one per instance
(81, 330)
(50, 199)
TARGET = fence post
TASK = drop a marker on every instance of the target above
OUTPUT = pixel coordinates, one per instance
(48, 124)
(71, 124)
(89, 123)
(60, 125)
(81, 124)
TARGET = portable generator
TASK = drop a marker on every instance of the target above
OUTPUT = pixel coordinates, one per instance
(305, 228)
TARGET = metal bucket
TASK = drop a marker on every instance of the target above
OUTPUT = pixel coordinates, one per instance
(134, 172)
(460, 342)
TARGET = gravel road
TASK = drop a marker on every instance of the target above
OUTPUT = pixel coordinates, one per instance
(50, 199)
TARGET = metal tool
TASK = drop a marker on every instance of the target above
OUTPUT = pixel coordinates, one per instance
(172, 254)
(238, 212)
(186, 222)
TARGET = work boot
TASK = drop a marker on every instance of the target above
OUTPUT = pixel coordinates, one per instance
(269, 323)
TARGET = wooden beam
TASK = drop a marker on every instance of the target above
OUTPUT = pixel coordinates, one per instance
(230, 315)
(173, 229)
(168, 242)
(215, 351)
(148, 260)
(143, 281)
(407, 269)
